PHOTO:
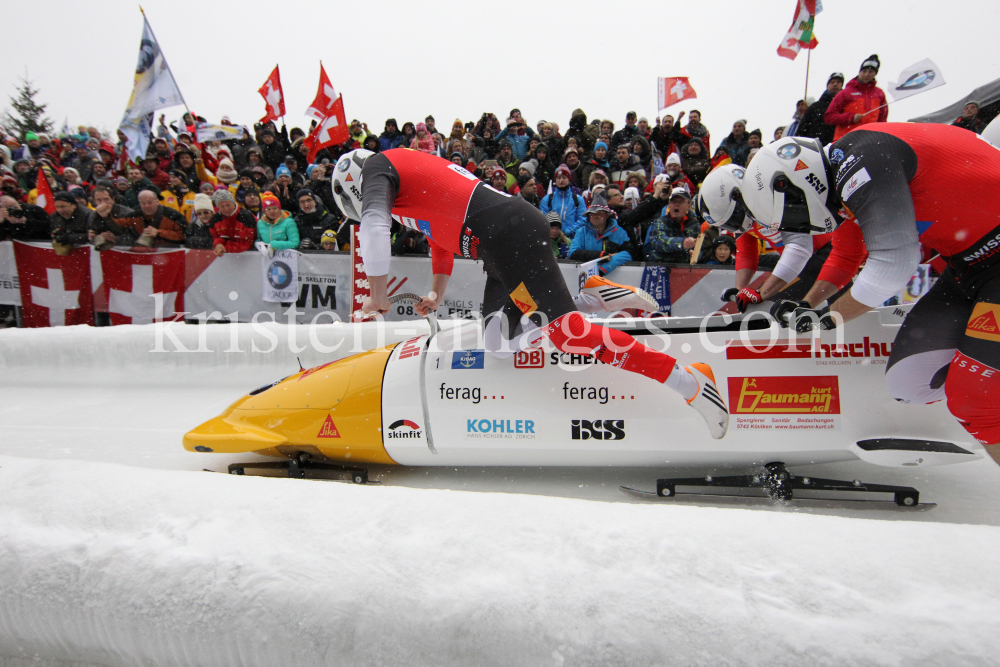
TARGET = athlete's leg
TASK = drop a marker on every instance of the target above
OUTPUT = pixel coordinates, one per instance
(973, 383)
(513, 244)
(599, 293)
(926, 344)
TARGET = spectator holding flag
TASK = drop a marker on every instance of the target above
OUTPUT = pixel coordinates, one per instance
(860, 102)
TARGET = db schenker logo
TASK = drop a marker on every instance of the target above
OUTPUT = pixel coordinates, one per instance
(600, 429)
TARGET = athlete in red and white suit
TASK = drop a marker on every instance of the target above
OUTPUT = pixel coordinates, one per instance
(460, 215)
(910, 184)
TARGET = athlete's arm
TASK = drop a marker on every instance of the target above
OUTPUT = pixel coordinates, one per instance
(439, 283)
(376, 244)
(875, 187)
(798, 250)
(747, 256)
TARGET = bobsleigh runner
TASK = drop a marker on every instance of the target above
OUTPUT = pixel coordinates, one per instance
(441, 400)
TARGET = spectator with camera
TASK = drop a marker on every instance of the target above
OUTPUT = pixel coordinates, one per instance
(517, 133)
(22, 222)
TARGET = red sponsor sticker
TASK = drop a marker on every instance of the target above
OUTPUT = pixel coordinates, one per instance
(411, 348)
(766, 349)
(533, 358)
(328, 429)
(785, 395)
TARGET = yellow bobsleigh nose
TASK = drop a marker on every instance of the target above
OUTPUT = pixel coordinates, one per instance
(221, 435)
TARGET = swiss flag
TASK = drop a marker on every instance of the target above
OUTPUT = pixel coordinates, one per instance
(331, 131)
(55, 290)
(325, 97)
(143, 287)
(274, 97)
(44, 198)
(672, 90)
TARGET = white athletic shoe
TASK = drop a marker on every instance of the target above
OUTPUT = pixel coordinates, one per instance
(619, 297)
(708, 402)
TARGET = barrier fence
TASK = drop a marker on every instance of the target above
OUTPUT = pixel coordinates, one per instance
(133, 286)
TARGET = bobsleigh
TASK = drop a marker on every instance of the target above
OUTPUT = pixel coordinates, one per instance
(441, 400)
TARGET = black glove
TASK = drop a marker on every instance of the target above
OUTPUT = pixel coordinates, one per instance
(60, 236)
(807, 319)
(730, 294)
(783, 309)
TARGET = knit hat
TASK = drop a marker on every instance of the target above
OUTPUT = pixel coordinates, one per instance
(203, 202)
(459, 154)
(631, 194)
(329, 236)
(72, 170)
(221, 196)
(871, 61)
(570, 149)
(64, 196)
(562, 169)
(757, 132)
(530, 166)
(673, 158)
(600, 144)
(309, 170)
(505, 143)
(120, 180)
(498, 170)
(269, 199)
(554, 219)
(599, 203)
(282, 171)
(741, 121)
(421, 126)
(306, 192)
(31, 136)
(836, 75)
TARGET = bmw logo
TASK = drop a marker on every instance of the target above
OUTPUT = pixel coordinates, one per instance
(739, 173)
(279, 275)
(789, 151)
(344, 165)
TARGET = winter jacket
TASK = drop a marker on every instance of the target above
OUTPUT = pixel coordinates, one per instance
(739, 149)
(668, 141)
(518, 141)
(75, 228)
(34, 228)
(613, 241)
(586, 135)
(235, 233)
(280, 235)
(592, 165)
(695, 167)
(973, 124)
(560, 246)
(665, 239)
(198, 236)
(636, 222)
(312, 225)
(570, 207)
(618, 174)
(121, 221)
(543, 173)
(131, 196)
(425, 145)
(273, 154)
(170, 223)
(813, 124)
(698, 131)
(856, 98)
(388, 140)
(623, 136)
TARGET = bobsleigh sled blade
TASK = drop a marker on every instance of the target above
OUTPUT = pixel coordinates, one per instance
(906, 452)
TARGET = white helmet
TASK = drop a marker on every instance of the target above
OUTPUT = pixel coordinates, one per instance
(786, 187)
(347, 182)
(720, 202)
(991, 132)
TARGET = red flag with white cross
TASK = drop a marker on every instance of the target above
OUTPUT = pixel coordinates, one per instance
(325, 97)
(55, 289)
(274, 97)
(671, 90)
(143, 287)
(44, 197)
(331, 131)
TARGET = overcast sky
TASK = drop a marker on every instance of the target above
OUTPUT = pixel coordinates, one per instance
(455, 58)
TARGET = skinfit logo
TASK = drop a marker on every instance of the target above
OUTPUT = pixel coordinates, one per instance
(600, 429)
(404, 428)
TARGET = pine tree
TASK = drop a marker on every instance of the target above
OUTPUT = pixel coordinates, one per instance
(31, 114)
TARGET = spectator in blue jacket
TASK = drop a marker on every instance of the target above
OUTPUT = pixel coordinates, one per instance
(391, 137)
(671, 238)
(519, 134)
(570, 206)
(601, 238)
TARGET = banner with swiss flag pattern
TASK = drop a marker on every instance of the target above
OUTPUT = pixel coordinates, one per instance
(55, 289)
(143, 287)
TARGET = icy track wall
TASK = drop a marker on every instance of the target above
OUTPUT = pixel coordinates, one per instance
(113, 562)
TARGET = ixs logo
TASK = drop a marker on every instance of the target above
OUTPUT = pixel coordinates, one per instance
(600, 429)
(814, 180)
(533, 358)
(404, 428)
(785, 395)
(470, 244)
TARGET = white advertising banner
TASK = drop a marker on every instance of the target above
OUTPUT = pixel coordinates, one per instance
(10, 292)
(281, 276)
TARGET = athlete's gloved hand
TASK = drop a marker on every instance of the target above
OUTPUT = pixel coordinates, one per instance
(807, 319)
(730, 294)
(746, 297)
(782, 310)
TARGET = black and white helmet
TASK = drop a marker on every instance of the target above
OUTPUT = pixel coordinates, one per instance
(347, 182)
(720, 200)
(787, 188)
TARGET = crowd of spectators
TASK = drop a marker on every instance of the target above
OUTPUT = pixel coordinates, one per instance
(614, 193)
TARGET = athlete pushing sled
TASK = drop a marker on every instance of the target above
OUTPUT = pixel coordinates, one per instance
(461, 215)
(906, 184)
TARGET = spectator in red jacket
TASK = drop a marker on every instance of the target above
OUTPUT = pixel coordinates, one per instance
(151, 170)
(860, 102)
(233, 228)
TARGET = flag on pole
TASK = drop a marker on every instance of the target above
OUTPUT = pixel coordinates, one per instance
(209, 132)
(65, 131)
(44, 196)
(917, 78)
(800, 34)
(325, 97)
(274, 97)
(154, 88)
(331, 131)
(672, 90)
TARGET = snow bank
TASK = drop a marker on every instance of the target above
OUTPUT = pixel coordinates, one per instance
(113, 565)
